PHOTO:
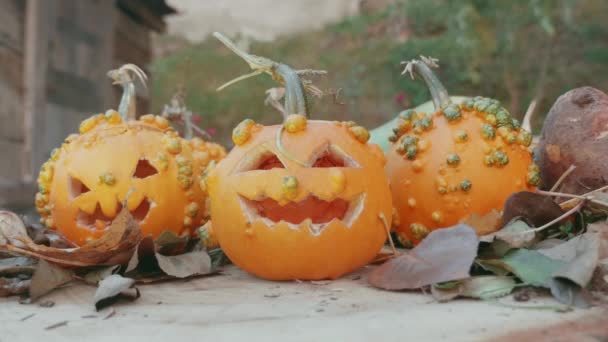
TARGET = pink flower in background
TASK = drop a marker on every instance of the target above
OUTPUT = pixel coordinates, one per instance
(401, 99)
(211, 131)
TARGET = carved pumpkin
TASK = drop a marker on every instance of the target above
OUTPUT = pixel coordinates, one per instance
(143, 163)
(303, 200)
(463, 159)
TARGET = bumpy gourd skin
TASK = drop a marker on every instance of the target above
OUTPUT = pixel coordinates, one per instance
(86, 181)
(466, 158)
(281, 241)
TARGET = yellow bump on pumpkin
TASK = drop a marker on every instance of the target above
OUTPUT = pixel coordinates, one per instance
(69, 139)
(161, 122)
(172, 144)
(419, 231)
(55, 152)
(395, 218)
(295, 123)
(49, 222)
(187, 221)
(249, 231)
(491, 119)
(503, 131)
(486, 148)
(411, 202)
(337, 180)
(404, 240)
(242, 132)
(89, 124)
(148, 118)
(185, 170)
(201, 156)
(461, 136)
(360, 133)
(41, 199)
(112, 117)
(203, 184)
(417, 165)
(441, 182)
(197, 143)
(162, 161)
(289, 187)
(436, 216)
(185, 182)
(46, 176)
(191, 209)
(107, 178)
(423, 145)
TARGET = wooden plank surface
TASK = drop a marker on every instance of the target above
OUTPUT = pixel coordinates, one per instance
(235, 306)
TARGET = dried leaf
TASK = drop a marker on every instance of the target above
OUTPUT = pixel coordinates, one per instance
(533, 208)
(484, 224)
(48, 277)
(569, 281)
(13, 286)
(169, 243)
(97, 275)
(479, 287)
(144, 250)
(532, 267)
(114, 247)
(444, 255)
(601, 228)
(496, 266)
(11, 228)
(517, 234)
(185, 265)
(17, 265)
(112, 289)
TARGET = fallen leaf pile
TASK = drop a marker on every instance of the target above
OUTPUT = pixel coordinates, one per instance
(559, 248)
(34, 262)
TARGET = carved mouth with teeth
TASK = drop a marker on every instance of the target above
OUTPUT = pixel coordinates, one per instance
(314, 213)
(99, 221)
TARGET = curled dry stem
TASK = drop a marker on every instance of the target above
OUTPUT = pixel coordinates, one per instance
(558, 219)
(587, 197)
(262, 65)
(527, 121)
(123, 76)
(563, 177)
(388, 233)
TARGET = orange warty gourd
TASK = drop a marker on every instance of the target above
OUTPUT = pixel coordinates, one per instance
(463, 159)
(302, 200)
(143, 163)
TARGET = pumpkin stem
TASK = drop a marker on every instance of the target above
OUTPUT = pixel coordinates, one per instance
(177, 110)
(123, 76)
(296, 101)
(423, 67)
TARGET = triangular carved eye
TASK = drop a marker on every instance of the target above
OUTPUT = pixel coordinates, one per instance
(271, 162)
(331, 156)
(144, 169)
(76, 187)
(264, 160)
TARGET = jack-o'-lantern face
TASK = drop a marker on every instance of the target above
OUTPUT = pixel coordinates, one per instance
(311, 206)
(144, 164)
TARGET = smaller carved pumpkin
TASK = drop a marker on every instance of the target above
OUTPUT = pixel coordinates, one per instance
(463, 159)
(141, 163)
(302, 200)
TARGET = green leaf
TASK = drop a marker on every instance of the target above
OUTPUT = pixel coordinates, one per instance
(479, 287)
(532, 267)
